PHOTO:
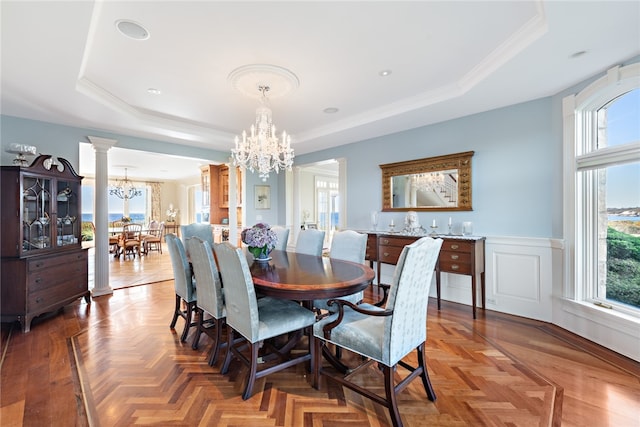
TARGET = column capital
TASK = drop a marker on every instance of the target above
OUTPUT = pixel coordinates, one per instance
(101, 144)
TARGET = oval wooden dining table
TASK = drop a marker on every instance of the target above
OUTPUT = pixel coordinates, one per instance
(289, 275)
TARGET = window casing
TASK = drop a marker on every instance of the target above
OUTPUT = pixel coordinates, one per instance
(589, 160)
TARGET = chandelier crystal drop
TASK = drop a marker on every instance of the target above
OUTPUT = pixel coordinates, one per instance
(261, 150)
(124, 189)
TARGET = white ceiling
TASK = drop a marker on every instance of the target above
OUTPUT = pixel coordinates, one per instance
(66, 62)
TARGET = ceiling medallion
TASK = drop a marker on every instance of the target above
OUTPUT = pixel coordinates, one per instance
(249, 78)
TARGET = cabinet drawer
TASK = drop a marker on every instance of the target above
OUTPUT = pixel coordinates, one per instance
(53, 276)
(453, 245)
(72, 288)
(459, 257)
(455, 267)
(396, 241)
(389, 254)
(46, 263)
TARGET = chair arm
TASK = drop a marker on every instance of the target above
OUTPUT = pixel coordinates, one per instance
(385, 292)
(341, 303)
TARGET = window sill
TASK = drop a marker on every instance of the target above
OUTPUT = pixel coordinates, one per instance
(610, 318)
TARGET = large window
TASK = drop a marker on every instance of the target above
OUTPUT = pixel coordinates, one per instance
(606, 164)
(137, 208)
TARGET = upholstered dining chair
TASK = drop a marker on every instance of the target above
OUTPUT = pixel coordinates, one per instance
(256, 320)
(151, 228)
(347, 245)
(114, 238)
(210, 295)
(310, 242)
(203, 231)
(153, 240)
(282, 233)
(183, 285)
(386, 335)
(129, 242)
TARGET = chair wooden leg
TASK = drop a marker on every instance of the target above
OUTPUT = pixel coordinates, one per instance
(390, 391)
(253, 369)
(227, 360)
(431, 394)
(317, 363)
(176, 312)
(218, 342)
(187, 324)
(199, 328)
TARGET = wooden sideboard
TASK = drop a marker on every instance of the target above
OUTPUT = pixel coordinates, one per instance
(458, 255)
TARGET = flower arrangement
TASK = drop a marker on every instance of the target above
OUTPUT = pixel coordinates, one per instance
(171, 213)
(260, 239)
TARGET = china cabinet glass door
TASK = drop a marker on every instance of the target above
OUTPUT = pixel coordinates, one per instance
(36, 224)
(67, 213)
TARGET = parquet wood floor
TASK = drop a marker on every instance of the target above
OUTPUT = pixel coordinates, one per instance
(115, 362)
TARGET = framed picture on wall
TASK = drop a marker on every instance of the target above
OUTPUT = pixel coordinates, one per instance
(263, 196)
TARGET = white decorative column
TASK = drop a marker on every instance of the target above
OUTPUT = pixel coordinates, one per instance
(233, 204)
(297, 200)
(101, 216)
(342, 191)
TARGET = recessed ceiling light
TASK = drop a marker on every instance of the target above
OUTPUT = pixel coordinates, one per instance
(154, 91)
(132, 29)
(384, 73)
(577, 54)
(331, 110)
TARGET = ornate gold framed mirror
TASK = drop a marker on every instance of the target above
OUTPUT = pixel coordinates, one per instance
(440, 183)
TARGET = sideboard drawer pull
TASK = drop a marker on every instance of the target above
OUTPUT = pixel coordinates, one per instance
(455, 267)
(385, 241)
(386, 254)
(454, 246)
(38, 280)
(455, 256)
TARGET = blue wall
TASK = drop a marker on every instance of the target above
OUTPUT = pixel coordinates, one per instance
(62, 141)
(516, 170)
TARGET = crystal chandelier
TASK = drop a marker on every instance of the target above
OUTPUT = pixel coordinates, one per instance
(261, 150)
(124, 188)
(433, 181)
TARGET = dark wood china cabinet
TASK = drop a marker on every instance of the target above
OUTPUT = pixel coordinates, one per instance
(43, 264)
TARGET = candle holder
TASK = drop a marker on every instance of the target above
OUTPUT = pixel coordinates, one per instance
(450, 230)
(434, 231)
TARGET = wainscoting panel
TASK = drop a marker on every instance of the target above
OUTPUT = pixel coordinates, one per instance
(519, 276)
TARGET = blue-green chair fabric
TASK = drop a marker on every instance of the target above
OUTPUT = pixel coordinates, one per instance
(347, 245)
(310, 242)
(282, 234)
(184, 284)
(255, 319)
(203, 231)
(210, 295)
(388, 339)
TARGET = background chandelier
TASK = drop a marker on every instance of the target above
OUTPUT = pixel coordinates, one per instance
(124, 188)
(261, 150)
